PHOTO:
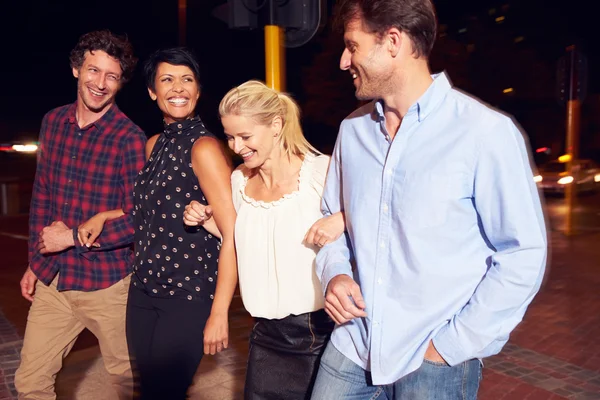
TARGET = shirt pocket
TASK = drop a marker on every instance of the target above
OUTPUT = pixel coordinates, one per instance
(426, 198)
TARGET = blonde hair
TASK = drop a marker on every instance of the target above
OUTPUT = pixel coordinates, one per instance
(257, 101)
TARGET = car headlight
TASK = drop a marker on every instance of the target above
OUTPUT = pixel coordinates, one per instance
(25, 148)
(538, 178)
(565, 180)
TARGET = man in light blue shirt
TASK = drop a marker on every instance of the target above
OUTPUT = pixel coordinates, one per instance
(446, 242)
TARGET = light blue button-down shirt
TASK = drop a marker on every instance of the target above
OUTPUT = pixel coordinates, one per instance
(444, 227)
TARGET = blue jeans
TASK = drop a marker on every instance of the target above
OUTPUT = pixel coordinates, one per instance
(340, 378)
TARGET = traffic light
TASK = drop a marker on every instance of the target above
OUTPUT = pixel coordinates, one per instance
(301, 19)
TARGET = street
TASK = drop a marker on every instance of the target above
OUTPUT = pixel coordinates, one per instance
(553, 354)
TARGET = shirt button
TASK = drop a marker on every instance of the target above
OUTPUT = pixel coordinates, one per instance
(382, 245)
(389, 172)
(70, 181)
(73, 157)
(385, 208)
(375, 323)
(66, 204)
(379, 281)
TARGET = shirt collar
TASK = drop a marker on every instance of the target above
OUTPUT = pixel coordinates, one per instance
(426, 103)
(99, 124)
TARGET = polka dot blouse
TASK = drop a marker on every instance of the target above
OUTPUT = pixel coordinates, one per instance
(172, 260)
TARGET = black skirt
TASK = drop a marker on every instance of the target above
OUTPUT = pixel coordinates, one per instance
(284, 356)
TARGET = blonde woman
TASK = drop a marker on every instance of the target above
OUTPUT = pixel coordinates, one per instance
(279, 227)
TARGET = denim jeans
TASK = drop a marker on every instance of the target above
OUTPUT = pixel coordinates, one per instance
(340, 378)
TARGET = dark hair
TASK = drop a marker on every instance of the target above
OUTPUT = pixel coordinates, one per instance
(414, 17)
(115, 46)
(173, 56)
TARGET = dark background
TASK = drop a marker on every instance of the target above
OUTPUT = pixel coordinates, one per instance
(482, 56)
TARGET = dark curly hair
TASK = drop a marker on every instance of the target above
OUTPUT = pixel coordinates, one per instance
(115, 46)
(415, 17)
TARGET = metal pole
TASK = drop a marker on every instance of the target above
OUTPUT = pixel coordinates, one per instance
(274, 52)
(573, 121)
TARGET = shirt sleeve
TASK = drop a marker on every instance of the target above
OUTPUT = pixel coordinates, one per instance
(334, 258)
(39, 211)
(119, 232)
(512, 221)
(319, 174)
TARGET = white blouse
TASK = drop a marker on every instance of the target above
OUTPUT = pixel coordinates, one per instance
(276, 268)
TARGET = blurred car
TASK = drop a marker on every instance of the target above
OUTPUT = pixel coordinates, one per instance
(553, 176)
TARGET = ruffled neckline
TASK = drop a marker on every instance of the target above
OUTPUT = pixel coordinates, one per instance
(302, 176)
(183, 128)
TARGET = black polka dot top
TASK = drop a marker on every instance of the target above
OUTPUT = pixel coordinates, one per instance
(172, 260)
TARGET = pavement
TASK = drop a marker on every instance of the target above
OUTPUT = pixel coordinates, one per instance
(553, 354)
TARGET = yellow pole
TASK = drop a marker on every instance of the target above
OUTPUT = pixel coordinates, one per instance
(274, 57)
(573, 118)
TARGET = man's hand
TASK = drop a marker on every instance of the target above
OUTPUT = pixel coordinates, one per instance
(432, 354)
(56, 237)
(343, 300)
(216, 333)
(28, 284)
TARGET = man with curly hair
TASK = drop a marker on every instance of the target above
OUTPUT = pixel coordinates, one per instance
(88, 158)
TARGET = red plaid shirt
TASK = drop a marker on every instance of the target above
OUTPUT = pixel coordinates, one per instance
(81, 172)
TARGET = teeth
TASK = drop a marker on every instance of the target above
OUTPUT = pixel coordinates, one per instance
(246, 155)
(178, 101)
(96, 93)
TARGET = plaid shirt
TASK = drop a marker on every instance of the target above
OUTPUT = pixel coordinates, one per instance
(81, 172)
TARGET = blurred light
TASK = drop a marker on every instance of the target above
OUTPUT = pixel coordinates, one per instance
(25, 148)
(508, 90)
(462, 30)
(543, 150)
(566, 180)
(500, 19)
(519, 39)
(564, 158)
(538, 178)
(597, 178)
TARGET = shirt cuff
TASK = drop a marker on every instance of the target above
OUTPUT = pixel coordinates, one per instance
(78, 247)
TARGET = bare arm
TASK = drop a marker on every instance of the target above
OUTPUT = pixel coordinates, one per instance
(213, 169)
(326, 230)
(88, 232)
(197, 214)
(150, 145)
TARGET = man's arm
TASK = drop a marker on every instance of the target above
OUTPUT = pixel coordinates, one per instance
(508, 204)
(39, 211)
(119, 232)
(343, 299)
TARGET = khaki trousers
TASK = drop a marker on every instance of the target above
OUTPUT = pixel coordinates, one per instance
(55, 321)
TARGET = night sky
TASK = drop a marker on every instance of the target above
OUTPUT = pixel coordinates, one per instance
(38, 35)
